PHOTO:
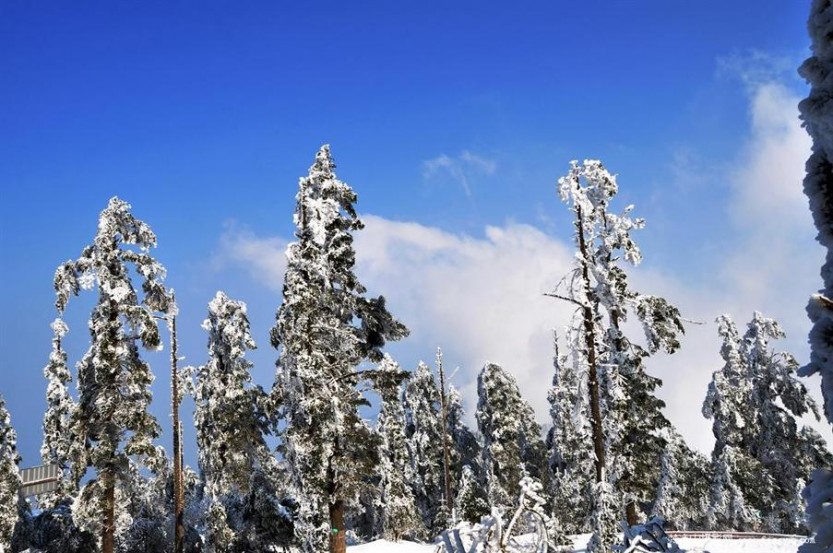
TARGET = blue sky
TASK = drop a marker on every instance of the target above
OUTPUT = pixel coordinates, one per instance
(456, 118)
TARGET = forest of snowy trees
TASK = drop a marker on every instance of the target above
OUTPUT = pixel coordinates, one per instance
(607, 454)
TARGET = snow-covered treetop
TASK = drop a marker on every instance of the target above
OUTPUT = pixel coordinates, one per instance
(741, 395)
(321, 199)
(228, 327)
(103, 264)
(602, 238)
(8, 437)
(589, 187)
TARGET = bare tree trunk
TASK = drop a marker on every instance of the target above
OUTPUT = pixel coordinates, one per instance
(338, 538)
(631, 514)
(108, 530)
(179, 499)
(449, 501)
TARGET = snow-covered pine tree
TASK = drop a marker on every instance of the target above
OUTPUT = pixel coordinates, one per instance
(817, 112)
(55, 530)
(512, 445)
(9, 479)
(146, 507)
(760, 452)
(424, 432)
(466, 450)
(779, 443)
(470, 502)
(682, 490)
(231, 423)
(569, 445)
(728, 393)
(111, 423)
(58, 447)
(325, 328)
(398, 516)
(623, 409)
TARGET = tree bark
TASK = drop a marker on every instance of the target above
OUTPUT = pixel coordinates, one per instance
(338, 538)
(108, 530)
(179, 499)
(449, 501)
(590, 344)
(630, 513)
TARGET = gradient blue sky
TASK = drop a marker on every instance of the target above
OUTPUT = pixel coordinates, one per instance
(457, 117)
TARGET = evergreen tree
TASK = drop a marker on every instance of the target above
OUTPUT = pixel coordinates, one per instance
(231, 423)
(682, 490)
(424, 435)
(569, 446)
(58, 448)
(54, 531)
(111, 424)
(325, 328)
(470, 502)
(465, 450)
(146, 501)
(512, 446)
(760, 452)
(817, 112)
(622, 406)
(9, 479)
(398, 516)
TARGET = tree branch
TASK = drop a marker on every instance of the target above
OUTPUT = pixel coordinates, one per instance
(565, 298)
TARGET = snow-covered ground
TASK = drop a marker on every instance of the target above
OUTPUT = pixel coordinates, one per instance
(781, 545)
(690, 545)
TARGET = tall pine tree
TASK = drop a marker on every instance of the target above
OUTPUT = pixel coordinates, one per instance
(59, 448)
(424, 430)
(231, 422)
(398, 515)
(512, 446)
(466, 450)
(111, 423)
(623, 408)
(761, 454)
(569, 446)
(325, 328)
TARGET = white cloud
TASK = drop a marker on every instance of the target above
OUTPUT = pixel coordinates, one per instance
(756, 67)
(262, 258)
(481, 297)
(768, 177)
(461, 168)
(774, 267)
